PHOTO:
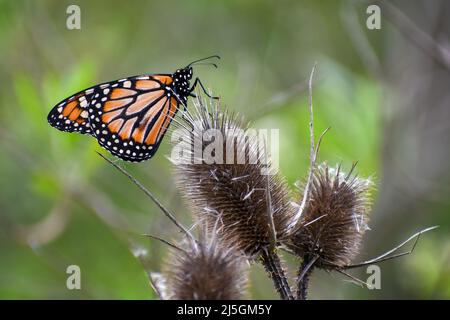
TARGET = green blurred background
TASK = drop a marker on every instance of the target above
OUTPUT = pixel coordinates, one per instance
(385, 98)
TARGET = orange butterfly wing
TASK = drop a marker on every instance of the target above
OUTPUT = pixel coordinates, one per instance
(129, 117)
(71, 115)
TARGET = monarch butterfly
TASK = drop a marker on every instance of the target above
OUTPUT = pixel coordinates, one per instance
(128, 117)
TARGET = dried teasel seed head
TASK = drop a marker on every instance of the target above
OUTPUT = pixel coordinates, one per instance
(229, 184)
(206, 270)
(334, 219)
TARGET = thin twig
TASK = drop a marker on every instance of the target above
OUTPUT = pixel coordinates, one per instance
(152, 197)
(319, 142)
(154, 287)
(164, 241)
(312, 158)
(303, 277)
(314, 220)
(388, 255)
(298, 226)
(152, 281)
(358, 281)
(152, 276)
(269, 202)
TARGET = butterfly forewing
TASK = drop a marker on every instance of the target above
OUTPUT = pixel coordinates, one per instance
(129, 117)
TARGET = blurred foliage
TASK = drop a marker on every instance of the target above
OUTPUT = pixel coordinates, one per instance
(60, 204)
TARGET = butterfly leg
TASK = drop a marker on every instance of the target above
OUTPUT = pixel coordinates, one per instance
(187, 118)
(196, 82)
(185, 112)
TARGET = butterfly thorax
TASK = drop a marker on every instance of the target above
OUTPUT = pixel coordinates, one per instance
(181, 85)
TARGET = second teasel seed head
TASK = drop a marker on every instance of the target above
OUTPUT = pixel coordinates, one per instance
(334, 220)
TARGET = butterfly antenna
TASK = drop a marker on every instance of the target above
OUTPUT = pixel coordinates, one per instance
(203, 59)
(206, 64)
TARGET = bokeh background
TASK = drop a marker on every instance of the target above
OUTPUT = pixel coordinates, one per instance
(385, 93)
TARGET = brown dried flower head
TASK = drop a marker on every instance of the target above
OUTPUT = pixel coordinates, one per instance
(334, 219)
(232, 187)
(206, 270)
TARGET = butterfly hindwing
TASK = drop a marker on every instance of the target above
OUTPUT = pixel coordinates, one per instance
(71, 115)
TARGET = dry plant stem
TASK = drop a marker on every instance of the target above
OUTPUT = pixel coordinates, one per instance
(304, 272)
(312, 156)
(272, 264)
(165, 242)
(389, 254)
(269, 205)
(155, 287)
(353, 278)
(152, 197)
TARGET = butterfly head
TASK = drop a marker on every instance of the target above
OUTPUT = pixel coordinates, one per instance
(182, 77)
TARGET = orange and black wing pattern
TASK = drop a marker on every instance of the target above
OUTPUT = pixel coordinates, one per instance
(129, 117)
(71, 115)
